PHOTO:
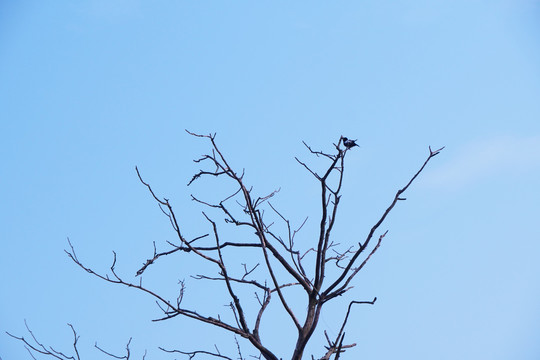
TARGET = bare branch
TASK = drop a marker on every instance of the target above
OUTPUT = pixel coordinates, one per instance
(170, 310)
(343, 287)
(289, 248)
(238, 349)
(48, 351)
(363, 246)
(149, 188)
(128, 351)
(324, 230)
(223, 268)
(193, 354)
(336, 347)
(308, 169)
(321, 153)
(156, 255)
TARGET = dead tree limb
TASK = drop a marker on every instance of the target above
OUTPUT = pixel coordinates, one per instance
(282, 260)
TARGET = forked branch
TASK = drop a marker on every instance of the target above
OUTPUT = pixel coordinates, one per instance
(275, 250)
(338, 283)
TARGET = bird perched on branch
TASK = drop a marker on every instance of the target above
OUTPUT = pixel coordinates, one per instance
(349, 143)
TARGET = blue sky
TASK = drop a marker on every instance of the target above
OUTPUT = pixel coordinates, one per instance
(90, 89)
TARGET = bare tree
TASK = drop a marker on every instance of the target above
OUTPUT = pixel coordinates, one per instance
(321, 273)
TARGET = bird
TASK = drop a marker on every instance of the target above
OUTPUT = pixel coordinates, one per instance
(349, 143)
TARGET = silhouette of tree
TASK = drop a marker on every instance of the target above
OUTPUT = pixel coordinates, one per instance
(329, 275)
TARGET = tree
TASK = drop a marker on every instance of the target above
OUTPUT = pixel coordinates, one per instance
(321, 273)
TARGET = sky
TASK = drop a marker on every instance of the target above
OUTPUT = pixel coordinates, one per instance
(91, 89)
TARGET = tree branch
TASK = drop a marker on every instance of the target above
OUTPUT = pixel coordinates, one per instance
(363, 246)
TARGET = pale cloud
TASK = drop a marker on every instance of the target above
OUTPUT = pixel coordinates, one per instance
(500, 156)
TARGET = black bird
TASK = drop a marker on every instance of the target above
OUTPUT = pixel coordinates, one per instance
(349, 143)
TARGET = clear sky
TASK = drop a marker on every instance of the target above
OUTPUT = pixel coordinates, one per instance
(89, 89)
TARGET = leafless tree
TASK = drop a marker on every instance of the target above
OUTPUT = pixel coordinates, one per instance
(322, 273)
